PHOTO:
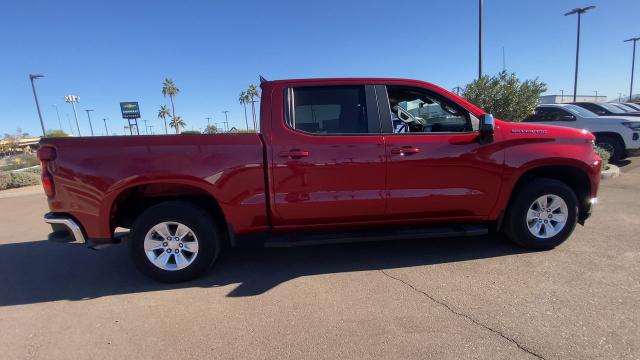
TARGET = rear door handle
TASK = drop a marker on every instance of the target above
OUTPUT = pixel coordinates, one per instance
(294, 154)
(405, 150)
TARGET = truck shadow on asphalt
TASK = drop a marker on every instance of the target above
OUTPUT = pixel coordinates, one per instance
(41, 271)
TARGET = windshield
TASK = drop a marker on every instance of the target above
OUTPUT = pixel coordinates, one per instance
(577, 110)
(625, 107)
(612, 108)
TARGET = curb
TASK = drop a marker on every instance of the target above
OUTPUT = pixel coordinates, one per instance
(612, 172)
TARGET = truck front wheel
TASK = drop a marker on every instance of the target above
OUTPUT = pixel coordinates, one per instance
(174, 241)
(542, 215)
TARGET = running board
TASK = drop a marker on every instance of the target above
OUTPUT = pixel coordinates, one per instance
(302, 239)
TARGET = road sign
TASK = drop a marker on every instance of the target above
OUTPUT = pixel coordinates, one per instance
(130, 110)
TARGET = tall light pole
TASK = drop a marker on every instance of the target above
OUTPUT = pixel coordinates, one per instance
(208, 123)
(561, 96)
(578, 11)
(633, 64)
(33, 77)
(480, 28)
(226, 121)
(105, 126)
(89, 117)
(73, 99)
(70, 127)
(58, 113)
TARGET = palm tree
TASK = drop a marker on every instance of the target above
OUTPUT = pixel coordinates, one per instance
(169, 88)
(243, 100)
(176, 122)
(163, 114)
(252, 92)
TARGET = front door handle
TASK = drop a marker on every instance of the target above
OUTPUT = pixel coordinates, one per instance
(294, 154)
(405, 150)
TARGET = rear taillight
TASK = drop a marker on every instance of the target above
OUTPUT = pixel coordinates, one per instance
(46, 154)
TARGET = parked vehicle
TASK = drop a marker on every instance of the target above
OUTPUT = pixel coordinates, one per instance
(616, 134)
(336, 160)
(624, 107)
(605, 109)
(634, 106)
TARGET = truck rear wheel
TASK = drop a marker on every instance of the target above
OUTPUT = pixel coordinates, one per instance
(542, 214)
(174, 241)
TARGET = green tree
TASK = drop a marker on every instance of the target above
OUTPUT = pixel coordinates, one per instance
(210, 129)
(505, 96)
(163, 114)
(170, 89)
(177, 122)
(243, 99)
(56, 133)
(252, 93)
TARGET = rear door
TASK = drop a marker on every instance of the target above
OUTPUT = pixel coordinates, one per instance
(436, 167)
(328, 157)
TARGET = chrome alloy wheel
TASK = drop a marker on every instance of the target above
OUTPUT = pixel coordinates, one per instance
(171, 246)
(547, 216)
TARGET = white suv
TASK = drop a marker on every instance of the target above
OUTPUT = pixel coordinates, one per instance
(616, 134)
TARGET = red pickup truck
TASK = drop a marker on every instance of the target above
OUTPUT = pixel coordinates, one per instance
(335, 160)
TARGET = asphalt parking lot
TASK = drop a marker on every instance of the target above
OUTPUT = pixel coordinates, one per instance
(451, 298)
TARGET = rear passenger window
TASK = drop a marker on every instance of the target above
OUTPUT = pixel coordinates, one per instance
(328, 110)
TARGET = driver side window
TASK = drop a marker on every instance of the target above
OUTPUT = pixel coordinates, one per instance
(419, 111)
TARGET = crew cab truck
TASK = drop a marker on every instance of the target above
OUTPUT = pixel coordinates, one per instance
(335, 160)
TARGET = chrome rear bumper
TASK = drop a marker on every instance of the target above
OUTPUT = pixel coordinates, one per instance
(73, 231)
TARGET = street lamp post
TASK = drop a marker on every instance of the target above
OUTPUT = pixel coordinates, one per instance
(226, 121)
(73, 99)
(58, 113)
(105, 126)
(89, 117)
(33, 77)
(633, 64)
(578, 11)
(480, 28)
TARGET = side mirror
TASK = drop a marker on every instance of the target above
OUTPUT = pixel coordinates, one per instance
(568, 118)
(487, 127)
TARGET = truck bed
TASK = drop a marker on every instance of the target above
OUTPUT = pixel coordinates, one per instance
(91, 173)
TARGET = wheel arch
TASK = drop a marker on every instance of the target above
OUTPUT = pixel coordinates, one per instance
(615, 135)
(574, 177)
(129, 202)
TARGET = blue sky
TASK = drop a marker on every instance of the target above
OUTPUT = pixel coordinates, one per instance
(112, 51)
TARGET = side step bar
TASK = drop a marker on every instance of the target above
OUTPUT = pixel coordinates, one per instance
(289, 240)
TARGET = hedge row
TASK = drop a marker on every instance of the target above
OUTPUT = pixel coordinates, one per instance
(18, 179)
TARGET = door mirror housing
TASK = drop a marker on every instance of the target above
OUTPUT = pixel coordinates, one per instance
(487, 127)
(568, 118)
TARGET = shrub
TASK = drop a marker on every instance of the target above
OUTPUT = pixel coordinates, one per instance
(5, 180)
(505, 96)
(22, 178)
(21, 161)
(34, 170)
(56, 133)
(604, 154)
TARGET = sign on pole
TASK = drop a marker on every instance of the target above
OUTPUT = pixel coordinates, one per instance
(130, 110)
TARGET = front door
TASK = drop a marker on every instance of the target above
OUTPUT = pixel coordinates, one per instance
(328, 157)
(436, 167)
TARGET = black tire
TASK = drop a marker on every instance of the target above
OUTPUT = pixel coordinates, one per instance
(613, 145)
(201, 224)
(515, 225)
